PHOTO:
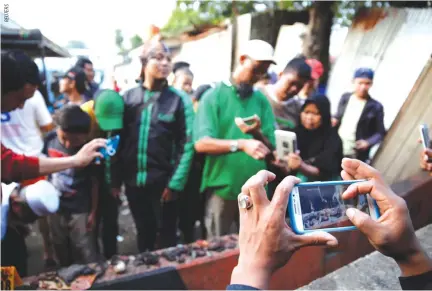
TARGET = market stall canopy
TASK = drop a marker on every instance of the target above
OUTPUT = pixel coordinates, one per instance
(32, 42)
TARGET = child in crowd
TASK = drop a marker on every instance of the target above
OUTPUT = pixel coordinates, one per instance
(72, 226)
(360, 118)
(183, 79)
(198, 93)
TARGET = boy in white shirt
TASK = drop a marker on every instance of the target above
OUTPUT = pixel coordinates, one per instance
(360, 118)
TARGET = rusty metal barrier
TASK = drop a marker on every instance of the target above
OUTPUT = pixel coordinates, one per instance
(306, 265)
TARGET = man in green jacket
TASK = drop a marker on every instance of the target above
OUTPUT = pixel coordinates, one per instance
(156, 149)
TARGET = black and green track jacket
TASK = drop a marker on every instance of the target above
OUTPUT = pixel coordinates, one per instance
(156, 141)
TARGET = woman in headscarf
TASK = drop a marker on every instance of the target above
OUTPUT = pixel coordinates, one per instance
(320, 147)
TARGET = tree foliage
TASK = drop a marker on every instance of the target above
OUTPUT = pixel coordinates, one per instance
(136, 41)
(119, 39)
(191, 14)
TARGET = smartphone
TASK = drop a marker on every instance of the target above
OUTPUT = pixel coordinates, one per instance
(319, 206)
(424, 134)
(286, 142)
(111, 147)
(249, 119)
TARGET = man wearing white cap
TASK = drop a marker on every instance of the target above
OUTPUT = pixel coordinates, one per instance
(232, 156)
(20, 207)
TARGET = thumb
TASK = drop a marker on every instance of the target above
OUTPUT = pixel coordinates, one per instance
(97, 154)
(362, 221)
(317, 238)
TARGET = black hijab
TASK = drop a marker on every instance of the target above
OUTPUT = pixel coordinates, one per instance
(321, 147)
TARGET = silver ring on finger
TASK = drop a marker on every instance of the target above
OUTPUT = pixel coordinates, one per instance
(244, 201)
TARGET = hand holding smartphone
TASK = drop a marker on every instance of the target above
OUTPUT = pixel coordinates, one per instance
(286, 143)
(425, 140)
(248, 125)
(111, 148)
(318, 206)
(424, 135)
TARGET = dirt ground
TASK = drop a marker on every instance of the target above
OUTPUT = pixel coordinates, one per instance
(126, 231)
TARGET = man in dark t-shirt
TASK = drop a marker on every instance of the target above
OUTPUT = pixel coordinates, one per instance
(72, 226)
(280, 95)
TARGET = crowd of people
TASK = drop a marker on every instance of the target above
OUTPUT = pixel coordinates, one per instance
(182, 158)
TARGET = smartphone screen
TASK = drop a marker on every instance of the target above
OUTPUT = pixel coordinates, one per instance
(323, 207)
(249, 119)
(424, 134)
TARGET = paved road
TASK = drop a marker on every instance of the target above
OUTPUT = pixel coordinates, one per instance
(371, 272)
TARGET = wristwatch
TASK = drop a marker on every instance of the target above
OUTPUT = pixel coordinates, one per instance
(234, 146)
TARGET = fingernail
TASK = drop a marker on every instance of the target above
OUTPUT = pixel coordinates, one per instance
(332, 243)
(350, 213)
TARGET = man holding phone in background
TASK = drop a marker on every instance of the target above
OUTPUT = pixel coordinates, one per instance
(231, 155)
(286, 110)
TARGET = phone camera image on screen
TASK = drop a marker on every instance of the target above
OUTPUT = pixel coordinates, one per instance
(323, 206)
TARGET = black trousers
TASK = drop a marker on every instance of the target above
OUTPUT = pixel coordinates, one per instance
(192, 202)
(107, 222)
(14, 251)
(151, 215)
(190, 207)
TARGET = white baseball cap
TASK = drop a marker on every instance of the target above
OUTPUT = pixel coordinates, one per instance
(42, 197)
(7, 189)
(259, 50)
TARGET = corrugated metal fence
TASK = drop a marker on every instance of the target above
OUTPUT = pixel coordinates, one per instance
(397, 47)
(399, 155)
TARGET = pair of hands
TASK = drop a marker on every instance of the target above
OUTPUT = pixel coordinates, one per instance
(267, 243)
(292, 161)
(252, 147)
